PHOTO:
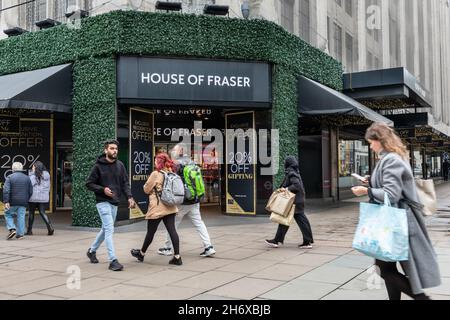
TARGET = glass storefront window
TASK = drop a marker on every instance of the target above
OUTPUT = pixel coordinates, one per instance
(418, 163)
(209, 164)
(353, 158)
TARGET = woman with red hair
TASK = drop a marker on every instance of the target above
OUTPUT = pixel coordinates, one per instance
(158, 211)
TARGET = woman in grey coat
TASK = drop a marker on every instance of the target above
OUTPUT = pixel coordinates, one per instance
(393, 175)
(40, 179)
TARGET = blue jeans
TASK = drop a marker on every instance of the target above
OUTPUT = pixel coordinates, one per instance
(108, 214)
(9, 217)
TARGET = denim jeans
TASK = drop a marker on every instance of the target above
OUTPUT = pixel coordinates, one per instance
(9, 217)
(193, 212)
(108, 214)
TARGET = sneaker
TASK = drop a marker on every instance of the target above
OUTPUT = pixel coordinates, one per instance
(19, 237)
(305, 246)
(273, 243)
(12, 234)
(176, 261)
(208, 252)
(115, 266)
(51, 232)
(137, 254)
(92, 256)
(29, 233)
(165, 251)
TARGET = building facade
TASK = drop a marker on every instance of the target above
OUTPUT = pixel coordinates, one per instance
(363, 35)
(66, 89)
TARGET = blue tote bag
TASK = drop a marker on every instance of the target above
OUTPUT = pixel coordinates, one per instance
(382, 232)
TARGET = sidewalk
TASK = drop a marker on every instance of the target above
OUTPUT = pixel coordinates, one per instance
(243, 268)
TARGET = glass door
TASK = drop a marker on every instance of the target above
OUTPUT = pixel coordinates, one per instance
(64, 160)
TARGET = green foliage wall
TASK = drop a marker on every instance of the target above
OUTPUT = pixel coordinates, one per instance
(93, 49)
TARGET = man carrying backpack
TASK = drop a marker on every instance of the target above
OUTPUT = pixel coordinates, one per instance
(194, 191)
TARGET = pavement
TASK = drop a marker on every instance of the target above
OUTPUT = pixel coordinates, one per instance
(56, 267)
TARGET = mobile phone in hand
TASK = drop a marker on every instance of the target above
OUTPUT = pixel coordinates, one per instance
(360, 178)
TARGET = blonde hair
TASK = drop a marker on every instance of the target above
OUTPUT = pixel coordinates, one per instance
(388, 138)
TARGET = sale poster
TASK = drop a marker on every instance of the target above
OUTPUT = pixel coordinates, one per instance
(141, 158)
(240, 163)
(33, 142)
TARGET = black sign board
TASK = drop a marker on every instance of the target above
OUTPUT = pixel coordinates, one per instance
(141, 157)
(162, 81)
(9, 124)
(240, 164)
(34, 143)
(406, 133)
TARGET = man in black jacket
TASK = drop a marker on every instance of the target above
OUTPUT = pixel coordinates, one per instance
(16, 193)
(109, 181)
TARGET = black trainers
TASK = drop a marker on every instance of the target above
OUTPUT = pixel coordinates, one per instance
(305, 246)
(273, 243)
(29, 233)
(176, 261)
(92, 256)
(208, 252)
(11, 234)
(137, 254)
(51, 232)
(19, 237)
(115, 266)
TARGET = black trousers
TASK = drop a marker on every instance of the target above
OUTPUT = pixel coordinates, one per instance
(41, 208)
(396, 282)
(152, 226)
(303, 223)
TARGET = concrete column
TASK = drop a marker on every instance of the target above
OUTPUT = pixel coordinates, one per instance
(415, 27)
(321, 36)
(362, 34)
(385, 25)
(402, 24)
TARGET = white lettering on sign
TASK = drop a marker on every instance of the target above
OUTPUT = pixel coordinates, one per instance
(195, 80)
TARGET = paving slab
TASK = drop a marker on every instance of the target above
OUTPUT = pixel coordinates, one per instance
(311, 259)
(300, 290)
(341, 294)
(282, 272)
(248, 266)
(209, 280)
(168, 293)
(246, 288)
(162, 278)
(331, 274)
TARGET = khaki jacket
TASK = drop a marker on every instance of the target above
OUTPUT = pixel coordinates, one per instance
(156, 209)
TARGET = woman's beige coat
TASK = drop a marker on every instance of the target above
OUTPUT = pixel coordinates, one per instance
(156, 209)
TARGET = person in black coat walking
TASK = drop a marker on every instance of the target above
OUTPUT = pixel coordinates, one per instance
(293, 182)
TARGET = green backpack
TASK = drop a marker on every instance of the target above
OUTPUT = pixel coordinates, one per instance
(193, 183)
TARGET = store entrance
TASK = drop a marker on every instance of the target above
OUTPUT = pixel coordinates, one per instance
(168, 120)
(64, 168)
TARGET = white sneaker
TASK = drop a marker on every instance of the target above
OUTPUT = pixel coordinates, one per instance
(165, 251)
(208, 252)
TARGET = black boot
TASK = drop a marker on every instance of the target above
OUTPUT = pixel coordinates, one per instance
(47, 223)
(30, 223)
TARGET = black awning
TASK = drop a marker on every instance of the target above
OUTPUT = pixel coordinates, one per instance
(44, 89)
(315, 99)
(387, 84)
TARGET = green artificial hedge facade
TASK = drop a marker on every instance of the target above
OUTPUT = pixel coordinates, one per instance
(93, 48)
